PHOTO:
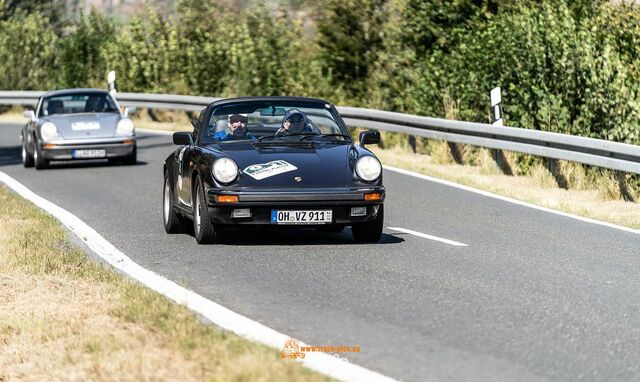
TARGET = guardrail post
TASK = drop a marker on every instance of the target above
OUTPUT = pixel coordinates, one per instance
(625, 191)
(561, 180)
(412, 143)
(496, 116)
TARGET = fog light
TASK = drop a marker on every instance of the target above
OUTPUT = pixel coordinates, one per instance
(241, 213)
(358, 211)
(227, 198)
(375, 196)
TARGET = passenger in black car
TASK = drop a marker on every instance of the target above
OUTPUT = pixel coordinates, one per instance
(295, 123)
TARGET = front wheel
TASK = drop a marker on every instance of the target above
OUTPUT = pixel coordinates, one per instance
(202, 226)
(369, 232)
(173, 223)
(38, 159)
(27, 159)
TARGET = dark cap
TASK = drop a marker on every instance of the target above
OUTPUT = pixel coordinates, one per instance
(238, 118)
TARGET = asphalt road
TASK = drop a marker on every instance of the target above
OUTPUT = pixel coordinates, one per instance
(534, 296)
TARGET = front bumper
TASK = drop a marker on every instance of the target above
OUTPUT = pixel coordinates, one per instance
(261, 203)
(114, 148)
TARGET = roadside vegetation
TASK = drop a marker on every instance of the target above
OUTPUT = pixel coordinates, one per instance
(564, 66)
(65, 317)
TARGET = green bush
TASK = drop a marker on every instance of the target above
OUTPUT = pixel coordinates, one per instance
(143, 54)
(81, 61)
(27, 52)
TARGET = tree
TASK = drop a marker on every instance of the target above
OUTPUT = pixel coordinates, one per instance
(350, 35)
(81, 59)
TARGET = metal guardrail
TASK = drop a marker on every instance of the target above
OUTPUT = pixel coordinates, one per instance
(596, 152)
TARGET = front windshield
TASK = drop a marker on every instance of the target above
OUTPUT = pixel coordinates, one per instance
(78, 103)
(273, 121)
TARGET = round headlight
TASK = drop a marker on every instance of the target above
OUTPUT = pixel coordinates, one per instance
(225, 170)
(125, 127)
(48, 131)
(368, 168)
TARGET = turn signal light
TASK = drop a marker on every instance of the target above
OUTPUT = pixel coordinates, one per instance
(227, 198)
(374, 196)
(129, 141)
(49, 145)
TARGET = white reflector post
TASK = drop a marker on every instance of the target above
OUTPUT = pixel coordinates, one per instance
(496, 97)
(111, 80)
(496, 100)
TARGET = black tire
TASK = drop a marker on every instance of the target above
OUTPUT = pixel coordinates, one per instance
(38, 160)
(173, 223)
(132, 158)
(27, 159)
(203, 228)
(331, 228)
(369, 232)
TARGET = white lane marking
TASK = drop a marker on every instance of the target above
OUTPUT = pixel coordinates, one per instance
(218, 314)
(510, 200)
(430, 237)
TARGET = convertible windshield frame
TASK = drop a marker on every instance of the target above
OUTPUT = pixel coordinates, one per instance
(76, 103)
(265, 123)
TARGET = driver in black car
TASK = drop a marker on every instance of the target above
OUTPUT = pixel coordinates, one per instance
(295, 123)
(237, 124)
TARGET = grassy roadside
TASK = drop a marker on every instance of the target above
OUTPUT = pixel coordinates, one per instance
(65, 317)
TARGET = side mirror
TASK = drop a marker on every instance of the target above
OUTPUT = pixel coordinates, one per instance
(30, 115)
(182, 138)
(369, 137)
(129, 110)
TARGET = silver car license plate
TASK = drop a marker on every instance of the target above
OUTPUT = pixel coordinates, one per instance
(89, 153)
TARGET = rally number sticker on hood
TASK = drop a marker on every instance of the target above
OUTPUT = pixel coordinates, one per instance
(264, 170)
(85, 126)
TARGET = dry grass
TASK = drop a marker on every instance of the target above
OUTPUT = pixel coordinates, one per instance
(66, 318)
(539, 188)
(168, 120)
(13, 115)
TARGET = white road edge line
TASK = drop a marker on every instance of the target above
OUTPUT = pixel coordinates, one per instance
(430, 237)
(510, 200)
(219, 315)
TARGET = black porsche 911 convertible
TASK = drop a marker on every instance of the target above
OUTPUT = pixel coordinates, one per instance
(273, 161)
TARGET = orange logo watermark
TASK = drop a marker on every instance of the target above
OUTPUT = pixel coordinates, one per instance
(292, 350)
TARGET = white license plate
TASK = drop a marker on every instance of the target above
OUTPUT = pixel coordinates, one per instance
(301, 217)
(88, 153)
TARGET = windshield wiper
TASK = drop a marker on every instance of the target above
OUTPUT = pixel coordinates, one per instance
(267, 137)
(274, 136)
(323, 135)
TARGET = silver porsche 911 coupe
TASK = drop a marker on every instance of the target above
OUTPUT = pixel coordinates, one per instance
(77, 124)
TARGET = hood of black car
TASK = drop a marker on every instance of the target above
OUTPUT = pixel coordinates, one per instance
(291, 165)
